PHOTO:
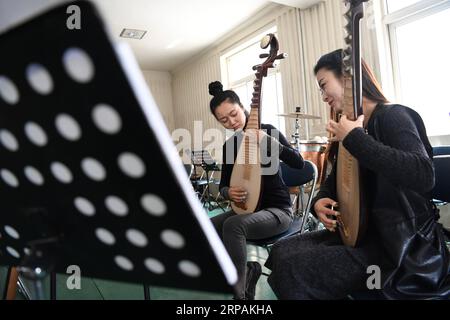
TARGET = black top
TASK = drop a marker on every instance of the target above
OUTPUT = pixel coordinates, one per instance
(402, 155)
(275, 194)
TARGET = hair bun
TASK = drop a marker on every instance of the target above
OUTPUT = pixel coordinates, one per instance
(215, 88)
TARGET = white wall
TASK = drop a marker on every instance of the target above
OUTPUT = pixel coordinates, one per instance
(160, 84)
(190, 92)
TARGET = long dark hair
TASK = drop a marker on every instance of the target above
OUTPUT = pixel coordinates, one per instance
(371, 88)
(219, 96)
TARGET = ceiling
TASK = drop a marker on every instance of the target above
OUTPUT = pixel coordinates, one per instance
(176, 29)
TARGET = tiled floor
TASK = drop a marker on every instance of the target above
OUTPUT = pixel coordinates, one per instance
(95, 289)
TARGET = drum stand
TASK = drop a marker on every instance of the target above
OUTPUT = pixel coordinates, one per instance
(296, 134)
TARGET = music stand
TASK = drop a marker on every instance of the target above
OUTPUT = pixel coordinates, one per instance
(88, 170)
(204, 159)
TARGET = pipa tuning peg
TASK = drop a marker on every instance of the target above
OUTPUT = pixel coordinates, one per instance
(348, 39)
(348, 52)
(348, 28)
(281, 56)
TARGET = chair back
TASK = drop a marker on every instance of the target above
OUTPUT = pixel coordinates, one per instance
(441, 190)
(441, 150)
(293, 178)
(298, 178)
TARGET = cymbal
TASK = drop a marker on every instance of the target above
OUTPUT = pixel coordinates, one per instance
(299, 115)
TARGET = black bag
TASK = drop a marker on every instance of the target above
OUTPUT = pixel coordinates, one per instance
(416, 257)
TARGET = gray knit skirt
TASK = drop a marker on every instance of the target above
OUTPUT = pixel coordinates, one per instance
(317, 265)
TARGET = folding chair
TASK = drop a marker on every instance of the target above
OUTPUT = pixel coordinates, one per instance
(294, 178)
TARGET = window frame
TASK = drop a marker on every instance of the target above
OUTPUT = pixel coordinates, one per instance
(409, 14)
(241, 46)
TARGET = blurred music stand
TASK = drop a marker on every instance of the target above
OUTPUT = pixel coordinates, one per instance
(204, 159)
(84, 151)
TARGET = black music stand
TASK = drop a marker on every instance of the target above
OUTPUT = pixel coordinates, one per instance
(88, 171)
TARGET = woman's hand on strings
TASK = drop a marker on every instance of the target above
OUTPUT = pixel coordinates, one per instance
(341, 129)
(237, 194)
(323, 211)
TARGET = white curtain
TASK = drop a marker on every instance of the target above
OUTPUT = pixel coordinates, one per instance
(292, 68)
(323, 31)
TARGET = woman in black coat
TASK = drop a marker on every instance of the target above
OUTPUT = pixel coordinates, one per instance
(404, 241)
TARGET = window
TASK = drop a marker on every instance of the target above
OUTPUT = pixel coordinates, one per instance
(238, 76)
(420, 52)
(394, 5)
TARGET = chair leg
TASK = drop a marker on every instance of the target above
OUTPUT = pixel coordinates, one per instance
(295, 206)
(11, 284)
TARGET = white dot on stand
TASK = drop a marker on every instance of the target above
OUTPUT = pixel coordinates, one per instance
(68, 127)
(9, 178)
(189, 268)
(131, 165)
(8, 91)
(34, 175)
(136, 237)
(61, 172)
(154, 266)
(35, 134)
(84, 206)
(105, 236)
(39, 79)
(124, 263)
(172, 239)
(10, 231)
(8, 140)
(93, 169)
(117, 206)
(154, 205)
(13, 252)
(78, 65)
(106, 119)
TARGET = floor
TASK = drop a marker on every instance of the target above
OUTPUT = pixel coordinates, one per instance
(95, 289)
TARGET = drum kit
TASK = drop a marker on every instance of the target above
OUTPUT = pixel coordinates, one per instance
(312, 150)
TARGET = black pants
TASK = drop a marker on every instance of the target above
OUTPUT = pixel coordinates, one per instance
(317, 265)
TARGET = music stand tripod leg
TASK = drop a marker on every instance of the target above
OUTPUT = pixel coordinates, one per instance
(147, 292)
(53, 286)
(23, 289)
(38, 264)
(36, 276)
